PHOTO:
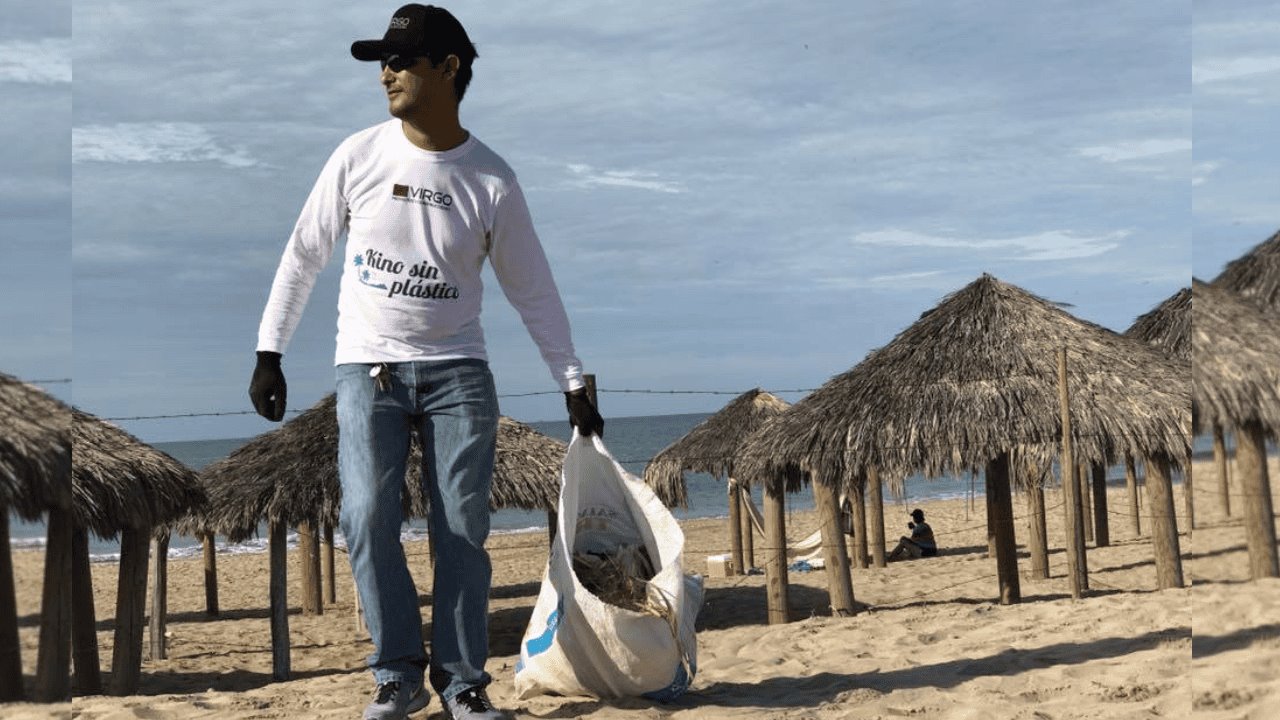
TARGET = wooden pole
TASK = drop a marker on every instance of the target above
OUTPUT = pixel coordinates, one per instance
(991, 521)
(553, 522)
(1188, 495)
(997, 480)
(309, 574)
(858, 494)
(329, 565)
(362, 630)
(131, 610)
(775, 527)
(53, 659)
(1037, 531)
(876, 501)
(10, 648)
(1077, 571)
(84, 631)
(735, 528)
(1220, 462)
(1164, 526)
(1255, 486)
(1100, 519)
(748, 530)
(1086, 504)
(210, 575)
(279, 534)
(1131, 480)
(835, 555)
(159, 595)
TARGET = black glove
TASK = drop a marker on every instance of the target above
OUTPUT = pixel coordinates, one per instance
(267, 389)
(582, 414)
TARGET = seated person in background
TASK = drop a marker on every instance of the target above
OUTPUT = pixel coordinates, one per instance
(920, 544)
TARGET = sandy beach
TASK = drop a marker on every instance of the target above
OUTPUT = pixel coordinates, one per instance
(928, 641)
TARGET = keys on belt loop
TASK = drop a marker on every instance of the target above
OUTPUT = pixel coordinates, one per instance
(381, 375)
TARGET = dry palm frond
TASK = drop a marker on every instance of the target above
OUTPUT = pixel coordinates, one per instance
(1168, 326)
(1255, 275)
(1236, 348)
(35, 450)
(712, 447)
(975, 377)
(290, 475)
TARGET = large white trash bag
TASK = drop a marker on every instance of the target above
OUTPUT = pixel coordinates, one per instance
(577, 644)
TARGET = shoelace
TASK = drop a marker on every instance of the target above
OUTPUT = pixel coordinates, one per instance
(386, 691)
(475, 700)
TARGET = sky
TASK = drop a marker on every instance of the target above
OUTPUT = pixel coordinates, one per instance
(35, 192)
(731, 196)
(1235, 81)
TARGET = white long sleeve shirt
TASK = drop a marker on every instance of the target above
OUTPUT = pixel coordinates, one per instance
(419, 225)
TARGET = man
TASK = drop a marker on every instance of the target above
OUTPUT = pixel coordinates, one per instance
(920, 544)
(423, 203)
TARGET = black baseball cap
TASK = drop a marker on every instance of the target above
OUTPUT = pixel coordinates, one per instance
(918, 514)
(417, 30)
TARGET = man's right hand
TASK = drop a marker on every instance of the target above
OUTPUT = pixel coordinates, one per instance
(267, 389)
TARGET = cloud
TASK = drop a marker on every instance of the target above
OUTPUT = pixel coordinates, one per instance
(1241, 67)
(1051, 245)
(1124, 151)
(40, 62)
(905, 277)
(153, 143)
(587, 176)
(1201, 172)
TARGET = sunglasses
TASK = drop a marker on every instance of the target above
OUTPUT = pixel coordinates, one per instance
(399, 63)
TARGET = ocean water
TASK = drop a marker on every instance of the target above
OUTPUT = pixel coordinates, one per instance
(633, 441)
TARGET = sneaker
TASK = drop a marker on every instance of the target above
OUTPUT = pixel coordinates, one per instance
(473, 704)
(394, 701)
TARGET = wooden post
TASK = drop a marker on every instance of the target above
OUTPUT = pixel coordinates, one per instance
(159, 595)
(279, 535)
(997, 477)
(1131, 480)
(858, 494)
(1100, 519)
(210, 575)
(1086, 504)
(1037, 530)
(1255, 486)
(991, 521)
(553, 522)
(735, 527)
(775, 527)
(748, 530)
(329, 565)
(835, 555)
(1188, 495)
(131, 607)
(876, 501)
(1164, 526)
(1220, 462)
(1077, 571)
(84, 631)
(53, 659)
(309, 563)
(10, 648)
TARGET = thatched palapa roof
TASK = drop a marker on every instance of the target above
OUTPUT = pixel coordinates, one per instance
(1236, 375)
(35, 450)
(1256, 274)
(120, 481)
(290, 475)
(713, 446)
(975, 377)
(1168, 326)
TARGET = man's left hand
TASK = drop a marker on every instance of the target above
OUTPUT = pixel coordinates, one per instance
(582, 414)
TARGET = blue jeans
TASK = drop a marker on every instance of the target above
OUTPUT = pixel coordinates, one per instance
(453, 405)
